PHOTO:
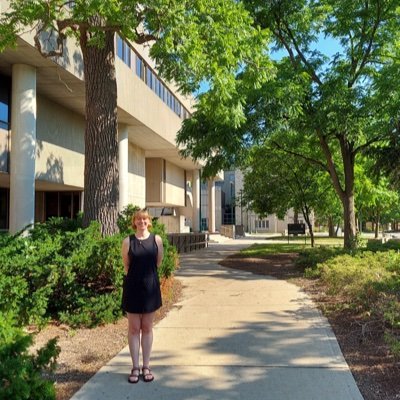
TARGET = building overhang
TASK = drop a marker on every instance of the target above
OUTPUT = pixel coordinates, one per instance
(55, 82)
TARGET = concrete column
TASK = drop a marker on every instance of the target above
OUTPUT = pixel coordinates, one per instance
(23, 147)
(196, 201)
(211, 206)
(123, 166)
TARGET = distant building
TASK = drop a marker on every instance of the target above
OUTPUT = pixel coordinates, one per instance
(236, 212)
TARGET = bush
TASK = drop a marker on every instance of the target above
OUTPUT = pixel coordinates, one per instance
(370, 283)
(21, 373)
(308, 259)
(65, 272)
(377, 245)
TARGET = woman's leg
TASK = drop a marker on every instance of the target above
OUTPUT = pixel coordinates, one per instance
(134, 322)
(147, 337)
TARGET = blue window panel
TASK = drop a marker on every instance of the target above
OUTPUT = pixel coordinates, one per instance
(127, 55)
(139, 67)
(120, 48)
(148, 77)
(4, 115)
(165, 94)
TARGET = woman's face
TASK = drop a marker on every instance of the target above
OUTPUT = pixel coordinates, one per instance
(141, 222)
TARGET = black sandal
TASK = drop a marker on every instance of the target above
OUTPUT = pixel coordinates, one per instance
(134, 378)
(147, 377)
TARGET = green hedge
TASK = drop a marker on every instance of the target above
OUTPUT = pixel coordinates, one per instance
(368, 282)
(21, 372)
(62, 271)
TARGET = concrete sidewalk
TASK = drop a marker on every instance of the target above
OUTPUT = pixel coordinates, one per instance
(234, 335)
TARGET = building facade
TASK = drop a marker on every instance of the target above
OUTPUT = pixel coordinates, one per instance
(237, 212)
(42, 149)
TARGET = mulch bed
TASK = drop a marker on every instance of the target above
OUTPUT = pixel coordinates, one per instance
(376, 372)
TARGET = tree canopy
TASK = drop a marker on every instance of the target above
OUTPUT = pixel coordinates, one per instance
(344, 101)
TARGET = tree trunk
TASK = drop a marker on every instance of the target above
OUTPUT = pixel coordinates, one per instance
(295, 216)
(377, 226)
(310, 230)
(346, 195)
(331, 227)
(349, 228)
(101, 135)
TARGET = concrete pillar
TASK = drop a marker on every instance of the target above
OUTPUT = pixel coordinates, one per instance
(211, 206)
(23, 147)
(196, 201)
(123, 165)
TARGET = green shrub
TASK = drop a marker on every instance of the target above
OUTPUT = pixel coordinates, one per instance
(21, 373)
(124, 221)
(377, 245)
(95, 310)
(64, 271)
(358, 277)
(308, 259)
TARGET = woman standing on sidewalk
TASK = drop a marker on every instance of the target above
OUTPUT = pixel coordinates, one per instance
(142, 254)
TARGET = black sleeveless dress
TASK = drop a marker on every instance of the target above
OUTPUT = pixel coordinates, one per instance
(141, 289)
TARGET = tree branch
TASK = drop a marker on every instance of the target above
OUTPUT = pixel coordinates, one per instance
(331, 165)
(308, 66)
(308, 159)
(367, 53)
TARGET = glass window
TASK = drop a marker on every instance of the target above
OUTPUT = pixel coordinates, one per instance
(5, 84)
(120, 48)
(4, 197)
(127, 57)
(149, 76)
(139, 67)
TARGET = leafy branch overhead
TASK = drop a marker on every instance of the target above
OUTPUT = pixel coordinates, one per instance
(347, 99)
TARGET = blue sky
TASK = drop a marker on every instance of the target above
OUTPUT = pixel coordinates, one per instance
(327, 46)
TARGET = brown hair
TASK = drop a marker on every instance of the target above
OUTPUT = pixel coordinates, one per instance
(141, 213)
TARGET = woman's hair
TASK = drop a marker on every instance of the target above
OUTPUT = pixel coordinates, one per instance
(142, 213)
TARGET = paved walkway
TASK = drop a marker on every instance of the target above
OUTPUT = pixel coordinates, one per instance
(234, 335)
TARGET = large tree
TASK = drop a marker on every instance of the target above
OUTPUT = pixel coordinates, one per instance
(192, 41)
(276, 180)
(339, 99)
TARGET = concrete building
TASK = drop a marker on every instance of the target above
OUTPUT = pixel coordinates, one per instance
(237, 212)
(42, 122)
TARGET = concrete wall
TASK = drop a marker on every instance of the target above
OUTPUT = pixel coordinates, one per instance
(174, 185)
(154, 180)
(140, 101)
(60, 144)
(137, 176)
(165, 183)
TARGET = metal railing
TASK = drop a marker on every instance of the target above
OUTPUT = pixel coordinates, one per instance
(187, 242)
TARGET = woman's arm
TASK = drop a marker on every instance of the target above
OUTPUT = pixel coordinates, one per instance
(124, 254)
(160, 253)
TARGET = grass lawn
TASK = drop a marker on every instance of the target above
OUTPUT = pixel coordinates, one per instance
(280, 245)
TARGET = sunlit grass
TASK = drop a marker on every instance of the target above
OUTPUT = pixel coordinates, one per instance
(296, 244)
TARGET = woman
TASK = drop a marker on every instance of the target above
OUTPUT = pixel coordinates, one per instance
(142, 254)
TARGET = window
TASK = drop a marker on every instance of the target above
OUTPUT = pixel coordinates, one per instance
(5, 85)
(145, 73)
(62, 204)
(262, 224)
(120, 47)
(123, 51)
(149, 77)
(139, 67)
(4, 206)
